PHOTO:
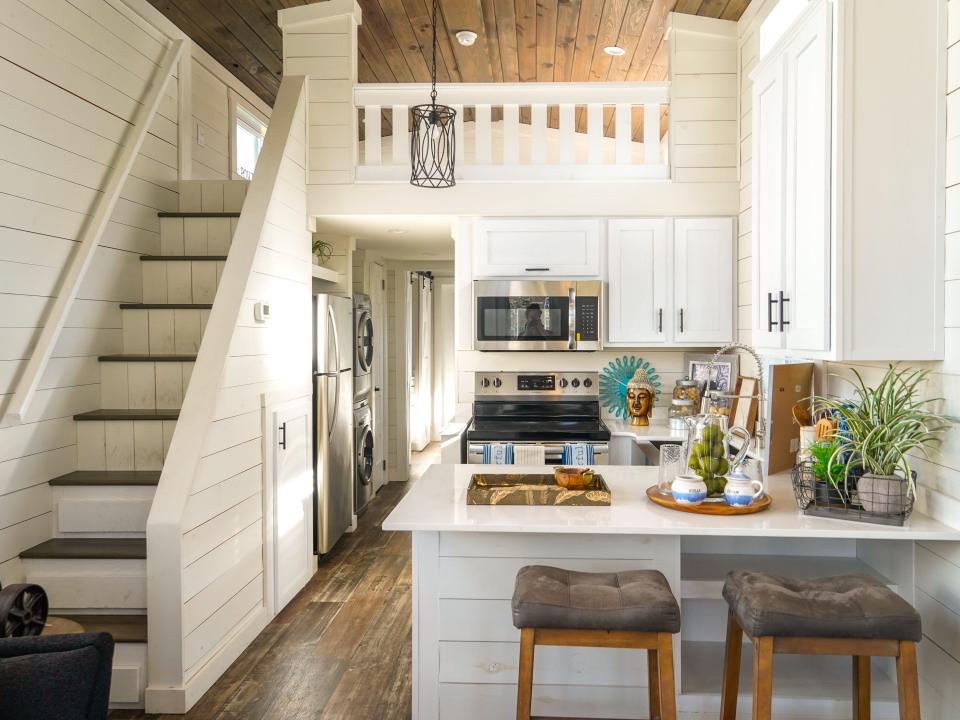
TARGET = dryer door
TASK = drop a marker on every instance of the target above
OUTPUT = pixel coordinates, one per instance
(364, 342)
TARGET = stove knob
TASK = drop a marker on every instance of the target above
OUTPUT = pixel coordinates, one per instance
(563, 382)
(588, 383)
(575, 383)
(497, 382)
(485, 382)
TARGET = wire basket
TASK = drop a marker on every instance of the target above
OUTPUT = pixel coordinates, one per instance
(861, 498)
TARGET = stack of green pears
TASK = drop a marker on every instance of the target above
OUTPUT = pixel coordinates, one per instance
(708, 459)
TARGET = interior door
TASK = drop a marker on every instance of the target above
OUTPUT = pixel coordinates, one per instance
(769, 133)
(807, 266)
(637, 281)
(379, 310)
(292, 501)
(703, 280)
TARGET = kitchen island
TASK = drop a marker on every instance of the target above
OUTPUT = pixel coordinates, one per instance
(465, 559)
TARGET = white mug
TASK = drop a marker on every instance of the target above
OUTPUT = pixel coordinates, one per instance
(689, 490)
(741, 490)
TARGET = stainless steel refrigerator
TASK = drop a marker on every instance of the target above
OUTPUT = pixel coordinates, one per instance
(333, 418)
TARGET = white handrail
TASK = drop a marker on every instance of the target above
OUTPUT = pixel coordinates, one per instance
(90, 238)
(637, 93)
(164, 524)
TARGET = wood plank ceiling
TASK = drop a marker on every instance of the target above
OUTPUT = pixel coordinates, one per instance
(517, 40)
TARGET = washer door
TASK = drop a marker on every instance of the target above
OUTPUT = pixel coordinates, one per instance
(364, 341)
(365, 456)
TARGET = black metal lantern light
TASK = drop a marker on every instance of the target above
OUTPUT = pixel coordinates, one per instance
(433, 142)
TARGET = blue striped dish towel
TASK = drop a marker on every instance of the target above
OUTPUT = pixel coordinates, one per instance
(498, 454)
(577, 454)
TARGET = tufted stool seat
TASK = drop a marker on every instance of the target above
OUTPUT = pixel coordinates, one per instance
(633, 609)
(854, 615)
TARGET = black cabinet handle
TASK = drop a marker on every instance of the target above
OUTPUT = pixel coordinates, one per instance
(681, 319)
(770, 303)
(376, 389)
(283, 436)
(537, 269)
(660, 320)
(783, 307)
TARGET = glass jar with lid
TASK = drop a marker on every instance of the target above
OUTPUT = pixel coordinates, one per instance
(687, 389)
(680, 410)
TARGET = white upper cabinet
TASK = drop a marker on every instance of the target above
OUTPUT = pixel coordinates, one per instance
(848, 185)
(637, 309)
(703, 280)
(537, 247)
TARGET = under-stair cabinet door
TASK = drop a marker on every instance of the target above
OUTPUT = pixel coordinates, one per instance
(703, 280)
(537, 247)
(637, 309)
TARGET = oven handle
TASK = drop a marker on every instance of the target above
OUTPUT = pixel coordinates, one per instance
(572, 319)
(552, 451)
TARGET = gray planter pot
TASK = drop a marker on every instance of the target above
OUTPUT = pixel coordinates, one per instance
(883, 494)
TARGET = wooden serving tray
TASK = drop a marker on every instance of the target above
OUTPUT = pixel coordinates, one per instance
(709, 507)
(533, 489)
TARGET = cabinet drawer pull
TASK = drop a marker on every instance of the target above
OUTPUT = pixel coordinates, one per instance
(783, 307)
(770, 303)
(537, 269)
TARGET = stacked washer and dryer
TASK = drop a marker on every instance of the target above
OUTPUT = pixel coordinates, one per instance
(362, 400)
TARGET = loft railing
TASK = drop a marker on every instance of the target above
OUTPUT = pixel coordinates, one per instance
(522, 131)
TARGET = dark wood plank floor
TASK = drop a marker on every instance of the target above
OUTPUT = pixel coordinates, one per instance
(340, 650)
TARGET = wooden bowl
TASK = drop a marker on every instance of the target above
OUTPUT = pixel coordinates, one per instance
(572, 477)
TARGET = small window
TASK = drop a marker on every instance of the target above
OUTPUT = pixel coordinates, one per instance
(249, 133)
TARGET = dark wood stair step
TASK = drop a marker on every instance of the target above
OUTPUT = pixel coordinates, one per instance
(198, 214)
(175, 258)
(88, 549)
(113, 478)
(124, 628)
(147, 358)
(165, 306)
(127, 415)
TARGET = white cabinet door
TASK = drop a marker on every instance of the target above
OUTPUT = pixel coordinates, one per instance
(807, 258)
(535, 247)
(768, 188)
(637, 309)
(703, 280)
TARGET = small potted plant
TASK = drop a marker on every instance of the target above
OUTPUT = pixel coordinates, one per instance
(828, 474)
(882, 426)
(322, 251)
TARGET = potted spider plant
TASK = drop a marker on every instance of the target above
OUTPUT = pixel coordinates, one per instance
(882, 427)
(322, 251)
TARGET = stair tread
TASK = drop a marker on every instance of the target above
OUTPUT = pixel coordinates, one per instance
(198, 214)
(165, 306)
(174, 258)
(147, 358)
(128, 415)
(123, 628)
(88, 549)
(107, 477)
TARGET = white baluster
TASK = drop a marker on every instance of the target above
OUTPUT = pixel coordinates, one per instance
(624, 133)
(567, 137)
(595, 133)
(460, 151)
(371, 129)
(651, 134)
(401, 138)
(482, 134)
(511, 134)
(538, 120)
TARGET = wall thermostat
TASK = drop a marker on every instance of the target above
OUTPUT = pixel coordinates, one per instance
(261, 312)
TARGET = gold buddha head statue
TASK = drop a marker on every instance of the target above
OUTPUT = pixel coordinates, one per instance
(641, 397)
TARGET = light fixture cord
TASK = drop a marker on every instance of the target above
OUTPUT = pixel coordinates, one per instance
(433, 67)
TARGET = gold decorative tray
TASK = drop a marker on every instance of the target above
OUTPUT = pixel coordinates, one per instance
(530, 489)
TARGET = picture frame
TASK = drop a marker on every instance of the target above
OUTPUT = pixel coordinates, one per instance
(725, 373)
(744, 408)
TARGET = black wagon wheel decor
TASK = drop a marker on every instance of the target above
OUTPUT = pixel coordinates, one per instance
(23, 610)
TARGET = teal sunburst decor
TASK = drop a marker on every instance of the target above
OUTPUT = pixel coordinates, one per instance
(613, 382)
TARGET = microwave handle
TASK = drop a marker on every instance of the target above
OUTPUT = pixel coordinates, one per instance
(572, 319)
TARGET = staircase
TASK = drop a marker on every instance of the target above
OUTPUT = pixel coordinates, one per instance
(94, 568)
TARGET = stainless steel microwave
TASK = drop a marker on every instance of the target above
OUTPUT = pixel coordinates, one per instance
(537, 314)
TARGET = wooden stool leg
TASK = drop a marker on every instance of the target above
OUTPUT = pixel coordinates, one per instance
(653, 674)
(731, 669)
(668, 694)
(525, 678)
(908, 684)
(861, 687)
(763, 678)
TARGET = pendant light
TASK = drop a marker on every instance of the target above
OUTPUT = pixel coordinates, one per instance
(432, 141)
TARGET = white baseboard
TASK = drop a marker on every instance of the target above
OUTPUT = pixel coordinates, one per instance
(177, 700)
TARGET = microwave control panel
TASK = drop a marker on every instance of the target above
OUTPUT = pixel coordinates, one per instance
(588, 319)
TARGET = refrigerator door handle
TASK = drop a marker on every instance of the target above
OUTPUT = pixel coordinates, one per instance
(336, 394)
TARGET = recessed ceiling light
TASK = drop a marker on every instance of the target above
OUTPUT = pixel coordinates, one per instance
(614, 50)
(396, 231)
(466, 37)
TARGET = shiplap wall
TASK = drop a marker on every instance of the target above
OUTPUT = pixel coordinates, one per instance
(71, 77)
(222, 540)
(937, 564)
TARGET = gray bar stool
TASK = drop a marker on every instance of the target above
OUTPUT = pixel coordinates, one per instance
(633, 609)
(853, 615)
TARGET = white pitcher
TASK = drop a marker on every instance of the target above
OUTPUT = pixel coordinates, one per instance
(741, 490)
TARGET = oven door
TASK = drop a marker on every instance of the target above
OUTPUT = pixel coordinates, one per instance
(553, 452)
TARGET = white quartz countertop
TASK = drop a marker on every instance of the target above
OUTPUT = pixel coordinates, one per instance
(437, 503)
(658, 430)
